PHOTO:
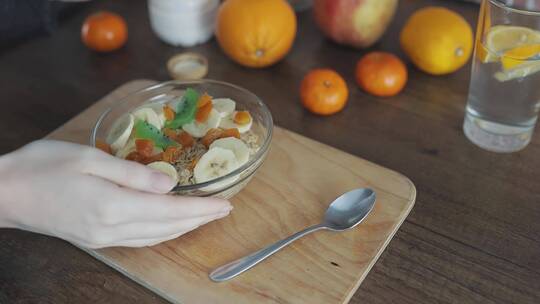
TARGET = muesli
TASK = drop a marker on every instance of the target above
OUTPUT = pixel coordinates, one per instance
(193, 138)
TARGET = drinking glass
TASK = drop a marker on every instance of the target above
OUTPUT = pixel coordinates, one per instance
(504, 92)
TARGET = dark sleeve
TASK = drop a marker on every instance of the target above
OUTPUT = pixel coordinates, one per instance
(23, 18)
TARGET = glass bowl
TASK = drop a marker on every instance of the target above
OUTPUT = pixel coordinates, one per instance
(225, 186)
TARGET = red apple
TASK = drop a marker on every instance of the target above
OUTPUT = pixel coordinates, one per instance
(358, 23)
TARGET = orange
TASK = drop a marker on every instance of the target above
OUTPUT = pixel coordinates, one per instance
(381, 74)
(256, 33)
(323, 92)
(104, 32)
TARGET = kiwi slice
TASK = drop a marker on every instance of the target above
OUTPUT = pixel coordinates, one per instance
(144, 130)
(186, 110)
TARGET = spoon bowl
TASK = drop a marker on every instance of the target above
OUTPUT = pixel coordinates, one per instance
(349, 210)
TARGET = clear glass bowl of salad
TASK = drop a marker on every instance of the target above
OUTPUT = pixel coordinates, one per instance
(210, 136)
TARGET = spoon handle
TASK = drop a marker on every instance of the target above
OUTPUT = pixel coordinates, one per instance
(232, 269)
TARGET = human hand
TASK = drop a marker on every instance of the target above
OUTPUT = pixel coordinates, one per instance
(90, 198)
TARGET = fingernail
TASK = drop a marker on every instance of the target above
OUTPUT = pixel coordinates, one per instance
(223, 213)
(162, 182)
(227, 209)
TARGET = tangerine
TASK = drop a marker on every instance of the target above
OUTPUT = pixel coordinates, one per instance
(323, 92)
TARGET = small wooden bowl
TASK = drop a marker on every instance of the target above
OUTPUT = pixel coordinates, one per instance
(187, 66)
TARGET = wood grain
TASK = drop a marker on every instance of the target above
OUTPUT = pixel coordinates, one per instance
(290, 192)
(472, 236)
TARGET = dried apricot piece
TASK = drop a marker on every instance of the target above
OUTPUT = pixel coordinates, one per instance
(169, 113)
(185, 139)
(145, 147)
(170, 133)
(210, 136)
(103, 146)
(204, 100)
(233, 132)
(193, 163)
(135, 156)
(242, 117)
(171, 154)
(153, 158)
(203, 112)
(168, 155)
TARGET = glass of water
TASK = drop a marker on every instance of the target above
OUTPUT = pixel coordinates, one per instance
(504, 93)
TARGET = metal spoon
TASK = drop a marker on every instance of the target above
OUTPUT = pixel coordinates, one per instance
(344, 213)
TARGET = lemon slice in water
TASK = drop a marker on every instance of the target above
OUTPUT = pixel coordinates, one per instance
(520, 55)
(501, 38)
(519, 62)
(504, 37)
(516, 47)
(522, 71)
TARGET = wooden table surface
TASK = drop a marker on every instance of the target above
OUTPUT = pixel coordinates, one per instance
(472, 237)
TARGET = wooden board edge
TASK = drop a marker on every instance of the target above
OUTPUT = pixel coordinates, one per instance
(139, 84)
(403, 217)
(412, 189)
(96, 255)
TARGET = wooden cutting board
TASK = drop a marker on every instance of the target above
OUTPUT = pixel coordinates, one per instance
(291, 191)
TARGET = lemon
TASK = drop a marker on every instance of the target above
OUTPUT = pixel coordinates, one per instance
(437, 40)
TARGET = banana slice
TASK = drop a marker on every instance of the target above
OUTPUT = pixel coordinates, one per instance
(126, 149)
(237, 146)
(149, 115)
(198, 130)
(166, 168)
(225, 106)
(120, 131)
(158, 108)
(228, 123)
(176, 103)
(215, 163)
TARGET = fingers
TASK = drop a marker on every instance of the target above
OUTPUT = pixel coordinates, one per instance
(128, 174)
(121, 215)
(149, 234)
(133, 206)
(151, 230)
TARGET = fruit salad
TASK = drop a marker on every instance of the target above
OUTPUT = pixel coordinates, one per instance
(193, 138)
